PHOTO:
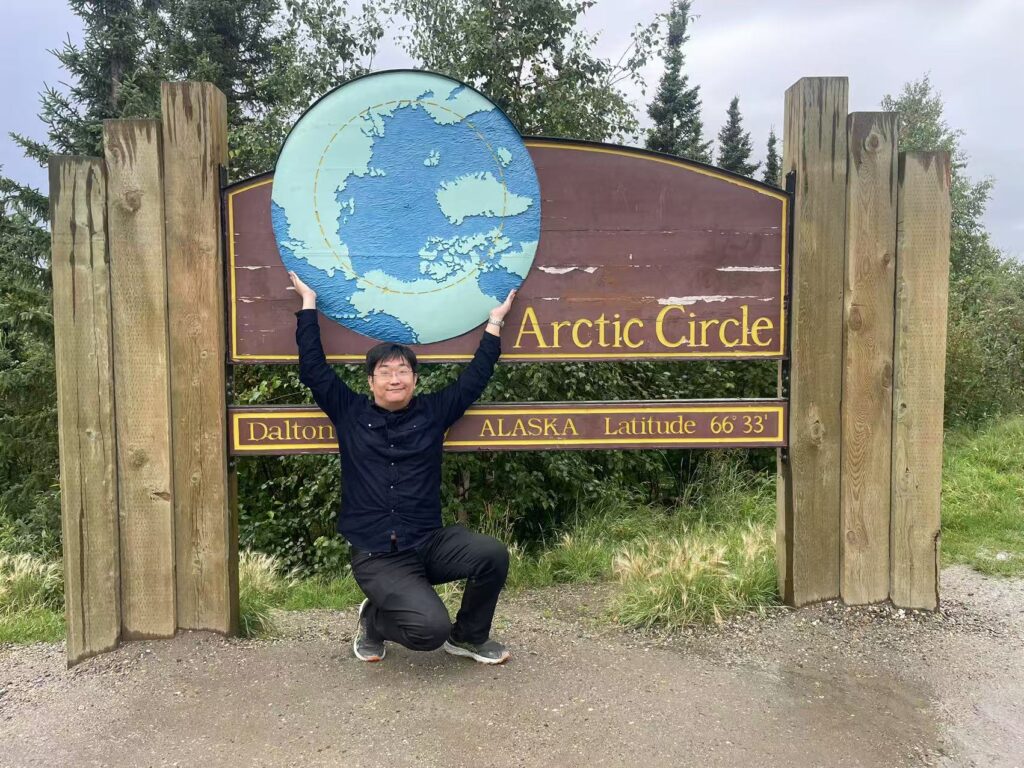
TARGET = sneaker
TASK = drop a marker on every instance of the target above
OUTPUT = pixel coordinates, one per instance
(488, 652)
(364, 646)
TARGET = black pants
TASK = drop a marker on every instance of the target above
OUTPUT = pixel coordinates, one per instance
(405, 609)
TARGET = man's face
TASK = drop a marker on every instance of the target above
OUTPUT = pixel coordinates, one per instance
(392, 384)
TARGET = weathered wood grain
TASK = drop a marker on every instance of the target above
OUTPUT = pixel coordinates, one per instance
(195, 148)
(138, 283)
(922, 287)
(85, 405)
(866, 467)
(808, 490)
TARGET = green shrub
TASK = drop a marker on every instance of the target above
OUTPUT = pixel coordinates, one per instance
(985, 345)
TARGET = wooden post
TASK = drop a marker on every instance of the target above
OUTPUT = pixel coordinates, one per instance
(808, 495)
(195, 149)
(85, 405)
(922, 288)
(138, 281)
(866, 466)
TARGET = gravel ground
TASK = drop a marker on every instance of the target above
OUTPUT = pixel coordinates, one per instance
(825, 685)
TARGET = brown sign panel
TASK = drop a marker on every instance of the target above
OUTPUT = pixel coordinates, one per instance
(641, 256)
(258, 430)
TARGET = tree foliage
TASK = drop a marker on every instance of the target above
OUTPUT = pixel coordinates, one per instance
(675, 110)
(772, 163)
(270, 57)
(29, 496)
(734, 145)
(985, 335)
(532, 60)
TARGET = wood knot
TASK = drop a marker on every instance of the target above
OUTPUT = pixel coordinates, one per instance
(817, 431)
(855, 320)
(137, 458)
(132, 199)
(872, 143)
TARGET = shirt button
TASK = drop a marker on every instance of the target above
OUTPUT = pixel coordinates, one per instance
(391, 446)
(392, 486)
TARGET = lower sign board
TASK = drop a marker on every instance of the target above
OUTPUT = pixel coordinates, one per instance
(258, 430)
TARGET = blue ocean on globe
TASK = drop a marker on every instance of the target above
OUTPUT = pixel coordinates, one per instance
(409, 203)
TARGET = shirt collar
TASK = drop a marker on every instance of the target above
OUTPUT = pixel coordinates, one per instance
(385, 411)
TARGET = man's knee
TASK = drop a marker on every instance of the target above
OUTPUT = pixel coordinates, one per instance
(430, 634)
(494, 557)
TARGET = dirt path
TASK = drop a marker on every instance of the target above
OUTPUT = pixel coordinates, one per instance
(822, 686)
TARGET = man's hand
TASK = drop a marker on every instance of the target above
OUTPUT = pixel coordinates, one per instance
(499, 312)
(308, 294)
(497, 315)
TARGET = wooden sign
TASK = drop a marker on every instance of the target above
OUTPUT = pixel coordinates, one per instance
(641, 256)
(259, 430)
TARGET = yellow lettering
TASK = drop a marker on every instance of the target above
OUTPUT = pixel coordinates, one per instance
(721, 332)
(534, 425)
(625, 332)
(756, 329)
(529, 316)
(576, 332)
(601, 323)
(556, 327)
(704, 331)
(487, 430)
(252, 430)
(659, 325)
(569, 427)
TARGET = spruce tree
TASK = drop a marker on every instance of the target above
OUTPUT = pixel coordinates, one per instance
(271, 58)
(734, 145)
(772, 163)
(678, 129)
(533, 60)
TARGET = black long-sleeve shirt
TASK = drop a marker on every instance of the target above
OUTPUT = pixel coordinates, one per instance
(390, 460)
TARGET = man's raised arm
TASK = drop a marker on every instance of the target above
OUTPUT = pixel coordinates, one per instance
(454, 399)
(329, 391)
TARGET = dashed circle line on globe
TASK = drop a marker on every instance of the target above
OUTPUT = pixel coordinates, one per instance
(347, 262)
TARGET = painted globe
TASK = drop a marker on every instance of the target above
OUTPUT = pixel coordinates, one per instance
(409, 203)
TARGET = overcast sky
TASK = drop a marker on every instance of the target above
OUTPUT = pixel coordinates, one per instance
(750, 48)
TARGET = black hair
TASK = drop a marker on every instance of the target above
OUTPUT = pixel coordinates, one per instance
(387, 351)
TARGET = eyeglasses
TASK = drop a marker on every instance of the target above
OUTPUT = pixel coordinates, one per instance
(387, 373)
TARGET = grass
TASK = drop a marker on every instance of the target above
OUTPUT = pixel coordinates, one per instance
(31, 599)
(983, 498)
(710, 556)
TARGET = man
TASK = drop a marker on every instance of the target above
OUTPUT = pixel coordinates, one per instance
(390, 446)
